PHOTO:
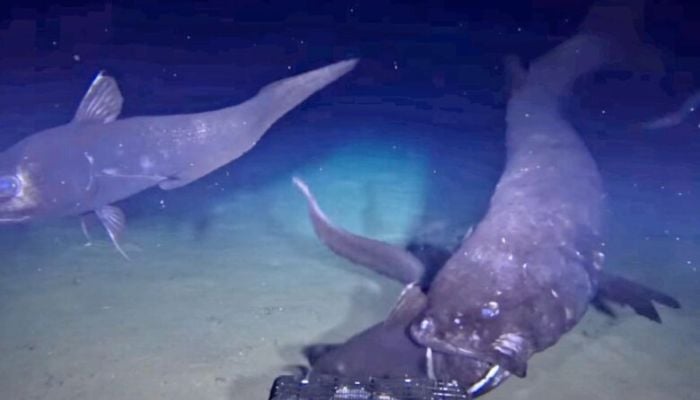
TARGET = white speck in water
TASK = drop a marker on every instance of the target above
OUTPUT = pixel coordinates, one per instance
(396, 65)
(162, 203)
(527, 115)
(174, 74)
(54, 43)
(510, 257)
(555, 294)
(191, 164)
(678, 238)
(503, 239)
(63, 182)
(679, 194)
(520, 29)
(602, 112)
(289, 67)
(692, 109)
(188, 37)
(120, 145)
(524, 265)
(76, 57)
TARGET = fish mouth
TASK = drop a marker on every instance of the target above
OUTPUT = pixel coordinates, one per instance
(425, 334)
(492, 377)
(494, 374)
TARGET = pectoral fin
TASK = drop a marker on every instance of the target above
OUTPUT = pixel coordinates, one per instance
(511, 351)
(114, 221)
(626, 292)
(514, 364)
(388, 260)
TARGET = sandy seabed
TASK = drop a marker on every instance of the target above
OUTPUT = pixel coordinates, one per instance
(220, 317)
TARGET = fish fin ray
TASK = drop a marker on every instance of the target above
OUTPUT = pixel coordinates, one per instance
(641, 298)
(515, 363)
(114, 221)
(102, 102)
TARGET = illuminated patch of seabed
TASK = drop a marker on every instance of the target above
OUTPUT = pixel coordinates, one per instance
(373, 188)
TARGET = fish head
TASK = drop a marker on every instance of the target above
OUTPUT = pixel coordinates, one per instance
(482, 338)
(19, 194)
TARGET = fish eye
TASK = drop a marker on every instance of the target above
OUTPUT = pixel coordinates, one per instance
(490, 310)
(9, 186)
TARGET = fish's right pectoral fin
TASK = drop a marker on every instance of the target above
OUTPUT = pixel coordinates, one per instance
(102, 102)
(383, 258)
(114, 221)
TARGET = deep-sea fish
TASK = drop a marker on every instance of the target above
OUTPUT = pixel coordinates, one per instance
(527, 272)
(86, 165)
(689, 106)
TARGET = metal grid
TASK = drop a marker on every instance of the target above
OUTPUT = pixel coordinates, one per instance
(325, 387)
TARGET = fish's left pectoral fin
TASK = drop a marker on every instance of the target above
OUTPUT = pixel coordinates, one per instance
(102, 102)
(515, 363)
(640, 298)
(114, 221)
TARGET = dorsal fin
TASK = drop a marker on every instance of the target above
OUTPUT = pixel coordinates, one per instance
(102, 102)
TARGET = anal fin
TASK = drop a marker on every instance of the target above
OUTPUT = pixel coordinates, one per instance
(114, 221)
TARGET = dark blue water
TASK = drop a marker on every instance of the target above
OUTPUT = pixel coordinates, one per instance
(227, 281)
